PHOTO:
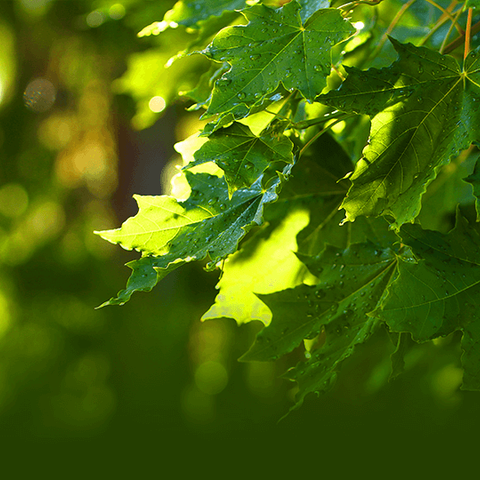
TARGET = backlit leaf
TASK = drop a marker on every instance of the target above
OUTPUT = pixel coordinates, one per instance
(424, 110)
(167, 231)
(191, 12)
(336, 306)
(243, 156)
(242, 279)
(438, 294)
(278, 48)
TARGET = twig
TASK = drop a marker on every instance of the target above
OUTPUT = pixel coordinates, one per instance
(321, 132)
(442, 46)
(460, 40)
(443, 18)
(468, 34)
(447, 12)
(392, 25)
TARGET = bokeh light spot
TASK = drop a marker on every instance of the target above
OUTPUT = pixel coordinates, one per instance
(211, 377)
(39, 96)
(116, 11)
(13, 200)
(157, 104)
(35, 7)
(4, 314)
(95, 19)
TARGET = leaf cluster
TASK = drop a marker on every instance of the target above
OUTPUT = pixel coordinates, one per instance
(335, 182)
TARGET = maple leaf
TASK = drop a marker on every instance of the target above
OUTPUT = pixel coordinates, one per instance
(278, 47)
(242, 155)
(169, 232)
(350, 284)
(424, 110)
(474, 180)
(310, 197)
(241, 279)
(192, 13)
(438, 293)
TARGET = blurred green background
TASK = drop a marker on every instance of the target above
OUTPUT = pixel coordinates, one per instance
(79, 135)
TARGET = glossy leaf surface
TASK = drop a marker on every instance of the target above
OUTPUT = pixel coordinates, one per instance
(192, 13)
(242, 155)
(333, 306)
(424, 110)
(207, 223)
(437, 294)
(278, 48)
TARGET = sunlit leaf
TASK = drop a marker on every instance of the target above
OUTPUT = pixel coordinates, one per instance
(242, 279)
(192, 13)
(438, 294)
(243, 156)
(424, 111)
(336, 306)
(207, 223)
(278, 48)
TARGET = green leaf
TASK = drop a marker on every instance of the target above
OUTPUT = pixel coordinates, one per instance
(309, 7)
(207, 223)
(192, 13)
(318, 186)
(145, 275)
(404, 343)
(474, 180)
(350, 284)
(424, 111)
(279, 49)
(312, 189)
(242, 278)
(242, 155)
(472, 3)
(471, 356)
(445, 193)
(438, 294)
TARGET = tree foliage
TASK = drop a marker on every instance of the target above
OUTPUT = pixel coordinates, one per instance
(317, 184)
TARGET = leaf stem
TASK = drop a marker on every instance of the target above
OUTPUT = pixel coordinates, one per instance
(359, 2)
(460, 40)
(392, 25)
(442, 46)
(447, 13)
(468, 34)
(321, 132)
(443, 18)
